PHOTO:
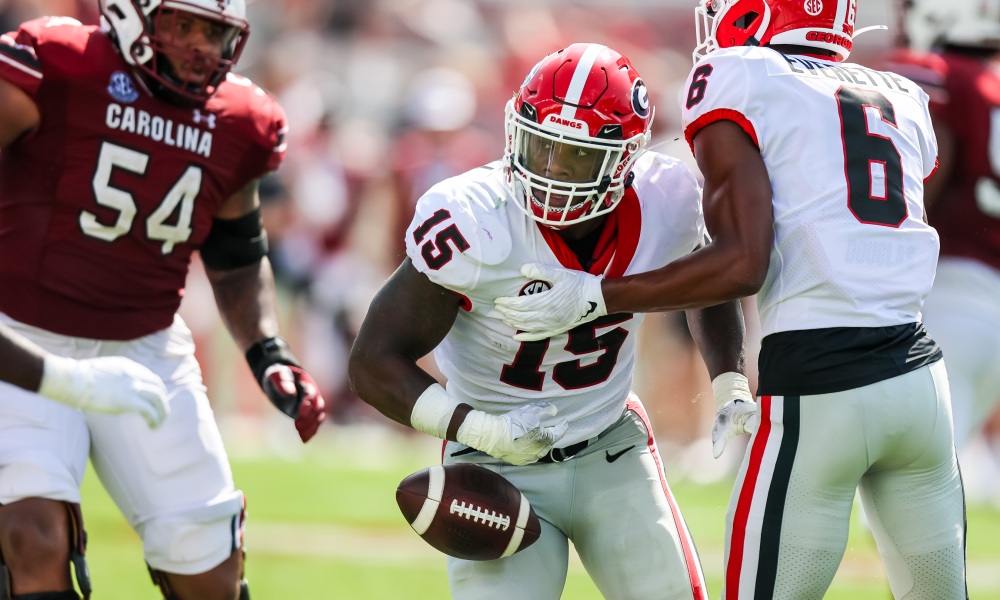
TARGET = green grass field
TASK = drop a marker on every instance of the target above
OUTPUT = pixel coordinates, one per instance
(323, 524)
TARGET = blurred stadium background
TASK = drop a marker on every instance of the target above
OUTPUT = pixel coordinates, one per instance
(384, 98)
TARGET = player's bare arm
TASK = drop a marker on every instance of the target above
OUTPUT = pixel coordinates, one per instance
(738, 214)
(20, 360)
(18, 113)
(408, 318)
(244, 294)
(243, 284)
(108, 384)
(719, 332)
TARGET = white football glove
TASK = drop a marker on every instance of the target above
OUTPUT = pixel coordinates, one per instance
(735, 410)
(109, 384)
(574, 299)
(518, 437)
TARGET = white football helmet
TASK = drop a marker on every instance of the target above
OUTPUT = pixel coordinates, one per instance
(968, 23)
(130, 23)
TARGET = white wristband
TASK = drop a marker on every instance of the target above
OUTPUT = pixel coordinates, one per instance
(433, 410)
(61, 380)
(480, 431)
(730, 386)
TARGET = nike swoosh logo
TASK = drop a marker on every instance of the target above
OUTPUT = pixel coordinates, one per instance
(593, 307)
(613, 457)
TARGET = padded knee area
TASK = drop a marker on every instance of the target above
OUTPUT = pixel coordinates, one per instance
(193, 542)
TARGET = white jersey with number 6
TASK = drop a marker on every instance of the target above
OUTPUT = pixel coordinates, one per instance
(468, 237)
(851, 247)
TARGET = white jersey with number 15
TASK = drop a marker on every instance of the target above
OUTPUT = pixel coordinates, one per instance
(469, 237)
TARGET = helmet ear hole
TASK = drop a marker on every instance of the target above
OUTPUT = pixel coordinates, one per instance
(746, 20)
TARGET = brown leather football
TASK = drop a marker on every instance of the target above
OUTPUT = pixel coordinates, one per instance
(468, 511)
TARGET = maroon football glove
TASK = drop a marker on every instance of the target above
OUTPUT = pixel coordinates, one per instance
(295, 393)
(287, 385)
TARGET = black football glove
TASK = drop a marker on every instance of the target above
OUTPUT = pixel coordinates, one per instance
(287, 385)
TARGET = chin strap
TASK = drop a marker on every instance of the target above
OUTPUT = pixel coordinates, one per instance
(870, 28)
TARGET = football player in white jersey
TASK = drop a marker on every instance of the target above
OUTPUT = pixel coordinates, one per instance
(575, 188)
(814, 172)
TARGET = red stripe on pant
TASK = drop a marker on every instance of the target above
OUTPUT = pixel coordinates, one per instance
(737, 541)
(698, 588)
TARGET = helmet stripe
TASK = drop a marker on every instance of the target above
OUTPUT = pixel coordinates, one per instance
(765, 22)
(838, 21)
(579, 81)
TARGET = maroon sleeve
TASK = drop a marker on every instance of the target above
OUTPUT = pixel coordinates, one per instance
(262, 121)
(276, 138)
(19, 63)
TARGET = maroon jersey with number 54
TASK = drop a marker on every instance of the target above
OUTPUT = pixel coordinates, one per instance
(102, 206)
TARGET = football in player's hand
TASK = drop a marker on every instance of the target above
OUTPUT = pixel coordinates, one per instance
(468, 511)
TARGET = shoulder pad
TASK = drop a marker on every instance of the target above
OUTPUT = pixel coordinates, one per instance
(716, 88)
(454, 233)
(64, 31)
(251, 109)
(670, 196)
(920, 67)
(50, 41)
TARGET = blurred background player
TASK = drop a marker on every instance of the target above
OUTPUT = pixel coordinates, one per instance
(954, 54)
(557, 416)
(126, 148)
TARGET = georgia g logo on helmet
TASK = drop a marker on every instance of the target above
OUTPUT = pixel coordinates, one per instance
(640, 98)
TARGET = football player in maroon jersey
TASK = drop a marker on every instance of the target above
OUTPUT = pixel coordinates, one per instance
(954, 54)
(126, 148)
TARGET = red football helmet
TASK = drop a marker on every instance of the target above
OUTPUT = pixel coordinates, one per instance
(132, 25)
(574, 129)
(821, 24)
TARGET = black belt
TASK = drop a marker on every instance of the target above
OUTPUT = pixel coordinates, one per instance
(557, 455)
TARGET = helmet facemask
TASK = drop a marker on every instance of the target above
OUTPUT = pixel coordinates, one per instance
(561, 179)
(148, 39)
